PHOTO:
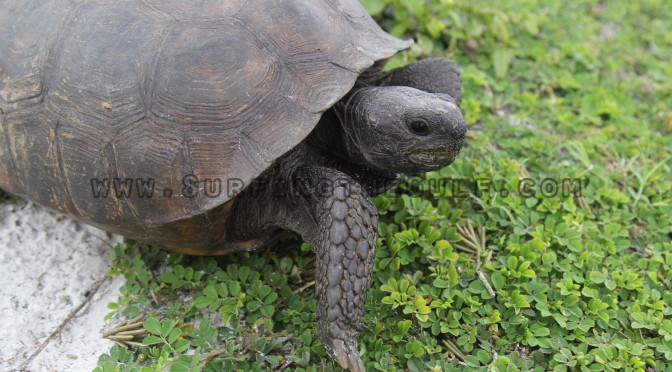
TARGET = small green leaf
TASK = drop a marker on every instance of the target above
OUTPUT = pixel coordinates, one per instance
(374, 7)
(414, 348)
(539, 331)
(202, 302)
(271, 298)
(174, 334)
(610, 284)
(483, 357)
(253, 305)
(512, 263)
(404, 285)
(501, 58)
(166, 327)
(152, 325)
(152, 340)
(597, 277)
(441, 283)
(210, 291)
(452, 275)
(181, 346)
(234, 288)
(222, 290)
(169, 277)
(263, 291)
(243, 273)
(498, 280)
(403, 326)
(471, 361)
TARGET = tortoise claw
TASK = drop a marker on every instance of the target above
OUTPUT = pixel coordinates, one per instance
(347, 356)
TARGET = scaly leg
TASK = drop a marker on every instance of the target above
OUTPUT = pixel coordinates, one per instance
(345, 244)
(334, 214)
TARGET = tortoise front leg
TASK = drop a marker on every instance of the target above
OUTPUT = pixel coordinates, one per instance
(344, 242)
(334, 214)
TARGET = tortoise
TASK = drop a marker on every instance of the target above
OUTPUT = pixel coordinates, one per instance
(206, 127)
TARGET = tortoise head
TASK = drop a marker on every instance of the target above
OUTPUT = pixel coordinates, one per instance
(402, 129)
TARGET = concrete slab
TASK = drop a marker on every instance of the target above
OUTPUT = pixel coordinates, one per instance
(53, 290)
(77, 346)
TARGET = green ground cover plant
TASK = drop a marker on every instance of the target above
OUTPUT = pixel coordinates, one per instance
(5, 196)
(546, 246)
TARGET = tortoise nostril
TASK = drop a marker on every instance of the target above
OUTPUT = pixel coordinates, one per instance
(460, 128)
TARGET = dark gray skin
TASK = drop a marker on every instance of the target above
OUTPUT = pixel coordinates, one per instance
(404, 121)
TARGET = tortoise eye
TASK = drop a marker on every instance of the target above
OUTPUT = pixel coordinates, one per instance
(420, 127)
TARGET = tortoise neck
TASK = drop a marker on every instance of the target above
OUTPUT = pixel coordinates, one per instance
(327, 137)
(336, 133)
(373, 77)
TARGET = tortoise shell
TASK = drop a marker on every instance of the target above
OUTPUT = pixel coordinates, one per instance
(139, 94)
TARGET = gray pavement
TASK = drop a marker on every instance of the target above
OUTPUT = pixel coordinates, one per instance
(53, 290)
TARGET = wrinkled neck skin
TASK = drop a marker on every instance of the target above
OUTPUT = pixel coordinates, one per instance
(349, 113)
(336, 140)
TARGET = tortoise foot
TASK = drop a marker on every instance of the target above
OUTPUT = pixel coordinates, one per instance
(347, 356)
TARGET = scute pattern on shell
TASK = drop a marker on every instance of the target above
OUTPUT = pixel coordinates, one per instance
(160, 89)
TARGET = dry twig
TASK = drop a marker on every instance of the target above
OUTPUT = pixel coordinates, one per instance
(125, 333)
(472, 240)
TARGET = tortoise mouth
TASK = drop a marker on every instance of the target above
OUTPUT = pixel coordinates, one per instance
(433, 159)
